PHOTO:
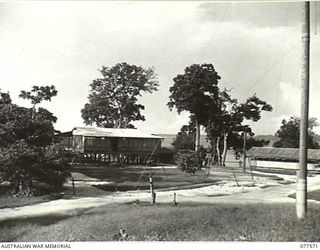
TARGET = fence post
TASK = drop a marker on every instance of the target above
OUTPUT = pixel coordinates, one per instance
(174, 199)
(235, 178)
(153, 194)
(73, 188)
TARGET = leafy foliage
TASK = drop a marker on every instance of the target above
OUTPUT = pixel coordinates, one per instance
(39, 94)
(189, 161)
(235, 140)
(16, 124)
(22, 165)
(289, 133)
(251, 109)
(226, 127)
(185, 139)
(196, 91)
(26, 145)
(4, 98)
(113, 98)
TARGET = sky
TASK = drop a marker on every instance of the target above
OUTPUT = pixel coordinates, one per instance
(255, 48)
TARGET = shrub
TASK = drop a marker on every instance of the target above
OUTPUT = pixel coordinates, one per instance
(26, 138)
(188, 160)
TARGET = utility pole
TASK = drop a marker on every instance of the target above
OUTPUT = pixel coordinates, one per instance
(301, 197)
(244, 151)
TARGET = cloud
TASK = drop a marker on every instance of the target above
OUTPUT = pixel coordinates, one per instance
(266, 14)
(289, 94)
(252, 46)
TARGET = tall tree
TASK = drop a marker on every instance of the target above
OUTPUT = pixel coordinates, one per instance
(196, 91)
(26, 150)
(113, 99)
(38, 94)
(226, 127)
(289, 131)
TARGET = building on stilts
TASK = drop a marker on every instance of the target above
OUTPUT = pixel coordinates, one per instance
(110, 145)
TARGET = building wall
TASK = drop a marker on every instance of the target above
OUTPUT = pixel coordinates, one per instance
(78, 143)
(64, 142)
(120, 145)
(97, 145)
(101, 145)
(279, 164)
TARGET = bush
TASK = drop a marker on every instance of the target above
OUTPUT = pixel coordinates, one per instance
(26, 138)
(189, 161)
(22, 165)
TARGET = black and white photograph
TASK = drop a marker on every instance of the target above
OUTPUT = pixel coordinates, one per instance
(149, 121)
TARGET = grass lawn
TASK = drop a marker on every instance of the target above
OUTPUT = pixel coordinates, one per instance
(122, 179)
(126, 178)
(6, 199)
(312, 195)
(195, 222)
(133, 178)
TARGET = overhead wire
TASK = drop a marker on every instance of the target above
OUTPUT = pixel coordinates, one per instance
(214, 34)
(283, 45)
(292, 86)
(148, 160)
(256, 82)
(315, 17)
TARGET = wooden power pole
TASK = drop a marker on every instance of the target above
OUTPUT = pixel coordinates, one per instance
(301, 198)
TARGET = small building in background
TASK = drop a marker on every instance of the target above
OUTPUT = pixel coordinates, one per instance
(281, 158)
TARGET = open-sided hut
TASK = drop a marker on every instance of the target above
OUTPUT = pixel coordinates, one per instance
(111, 144)
(286, 158)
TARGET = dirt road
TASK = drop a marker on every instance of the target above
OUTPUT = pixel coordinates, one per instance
(224, 193)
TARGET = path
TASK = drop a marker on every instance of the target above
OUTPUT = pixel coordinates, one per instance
(209, 194)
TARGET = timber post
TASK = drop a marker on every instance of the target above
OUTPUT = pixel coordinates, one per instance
(175, 199)
(153, 194)
(301, 196)
(235, 178)
(73, 187)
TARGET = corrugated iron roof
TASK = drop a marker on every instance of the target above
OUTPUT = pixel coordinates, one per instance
(112, 132)
(282, 153)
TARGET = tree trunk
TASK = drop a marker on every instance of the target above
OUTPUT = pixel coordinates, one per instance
(244, 151)
(213, 152)
(33, 114)
(218, 151)
(225, 149)
(197, 144)
(213, 157)
(23, 186)
(120, 120)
